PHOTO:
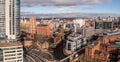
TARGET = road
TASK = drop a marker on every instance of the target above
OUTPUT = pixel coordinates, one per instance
(59, 55)
(58, 51)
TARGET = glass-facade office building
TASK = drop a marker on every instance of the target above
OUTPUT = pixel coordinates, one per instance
(9, 18)
(2, 16)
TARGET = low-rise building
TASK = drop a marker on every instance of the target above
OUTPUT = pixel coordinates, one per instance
(104, 24)
(75, 41)
(11, 52)
(106, 47)
(75, 25)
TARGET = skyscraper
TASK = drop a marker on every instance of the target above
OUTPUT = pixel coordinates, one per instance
(9, 18)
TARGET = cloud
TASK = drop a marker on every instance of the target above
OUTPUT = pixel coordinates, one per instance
(65, 9)
(30, 3)
(86, 7)
(26, 12)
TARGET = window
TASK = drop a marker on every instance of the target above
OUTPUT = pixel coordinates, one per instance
(10, 58)
(19, 60)
(19, 51)
(107, 25)
(10, 55)
(98, 25)
(19, 48)
(19, 57)
(10, 51)
(69, 46)
(19, 54)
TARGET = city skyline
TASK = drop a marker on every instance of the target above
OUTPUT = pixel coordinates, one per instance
(59, 31)
(70, 6)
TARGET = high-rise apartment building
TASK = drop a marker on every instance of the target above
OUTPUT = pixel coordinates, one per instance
(9, 18)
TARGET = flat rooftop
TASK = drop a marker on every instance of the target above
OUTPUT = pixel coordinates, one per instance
(74, 37)
(42, 25)
(8, 44)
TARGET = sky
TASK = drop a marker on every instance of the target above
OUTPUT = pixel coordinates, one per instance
(70, 6)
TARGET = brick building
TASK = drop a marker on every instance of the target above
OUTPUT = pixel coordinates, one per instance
(59, 34)
(32, 25)
(105, 48)
(28, 42)
(43, 29)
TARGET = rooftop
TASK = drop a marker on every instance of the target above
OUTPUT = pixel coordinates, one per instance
(115, 45)
(8, 44)
(42, 25)
(93, 44)
(109, 34)
(74, 37)
(100, 51)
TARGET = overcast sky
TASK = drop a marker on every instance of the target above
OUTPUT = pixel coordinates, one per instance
(70, 6)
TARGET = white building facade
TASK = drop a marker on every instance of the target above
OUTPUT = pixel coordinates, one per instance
(9, 18)
(11, 53)
(75, 41)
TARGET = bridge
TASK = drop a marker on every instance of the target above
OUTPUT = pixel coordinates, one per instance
(63, 60)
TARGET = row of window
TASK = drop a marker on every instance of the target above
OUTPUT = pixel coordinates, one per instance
(13, 58)
(10, 58)
(104, 25)
(13, 52)
(10, 55)
(2, 15)
(20, 60)
(12, 48)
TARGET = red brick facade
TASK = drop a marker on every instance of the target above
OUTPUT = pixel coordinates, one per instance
(43, 30)
(102, 49)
